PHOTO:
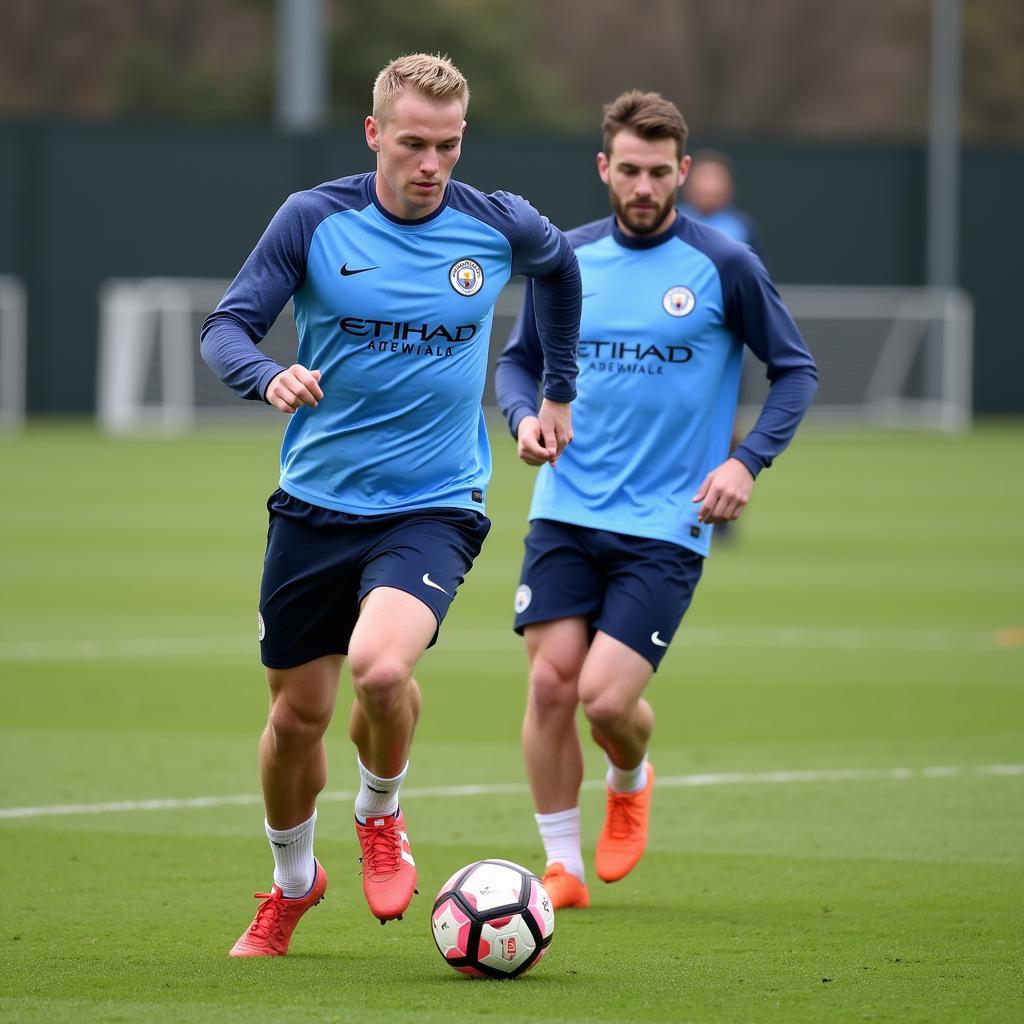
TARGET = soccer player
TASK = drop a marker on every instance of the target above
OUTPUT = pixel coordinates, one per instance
(385, 462)
(620, 529)
(709, 198)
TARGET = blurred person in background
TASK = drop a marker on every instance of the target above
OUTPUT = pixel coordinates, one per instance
(620, 529)
(709, 198)
(385, 461)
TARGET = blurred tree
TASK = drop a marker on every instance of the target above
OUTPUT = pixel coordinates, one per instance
(820, 68)
(993, 96)
(790, 67)
(854, 68)
(491, 42)
(171, 58)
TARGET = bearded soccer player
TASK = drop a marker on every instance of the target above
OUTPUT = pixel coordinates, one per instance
(385, 462)
(619, 531)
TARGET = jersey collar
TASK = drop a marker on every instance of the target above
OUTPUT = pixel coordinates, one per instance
(645, 241)
(371, 191)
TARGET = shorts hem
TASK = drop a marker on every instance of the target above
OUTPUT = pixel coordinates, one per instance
(643, 654)
(521, 623)
(286, 663)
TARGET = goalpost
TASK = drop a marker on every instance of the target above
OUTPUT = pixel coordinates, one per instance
(12, 353)
(897, 357)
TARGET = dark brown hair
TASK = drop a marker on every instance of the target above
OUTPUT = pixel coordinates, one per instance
(647, 114)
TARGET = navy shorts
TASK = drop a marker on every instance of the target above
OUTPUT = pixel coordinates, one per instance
(320, 564)
(632, 588)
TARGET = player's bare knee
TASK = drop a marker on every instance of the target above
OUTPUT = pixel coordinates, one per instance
(295, 726)
(380, 681)
(607, 710)
(552, 687)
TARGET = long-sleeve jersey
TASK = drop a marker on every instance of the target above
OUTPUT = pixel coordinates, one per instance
(665, 319)
(396, 314)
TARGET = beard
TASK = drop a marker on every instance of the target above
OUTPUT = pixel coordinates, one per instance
(648, 221)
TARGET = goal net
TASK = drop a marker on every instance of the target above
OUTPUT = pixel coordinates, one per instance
(886, 356)
(12, 353)
(896, 357)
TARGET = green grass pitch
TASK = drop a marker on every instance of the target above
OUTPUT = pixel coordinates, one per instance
(865, 632)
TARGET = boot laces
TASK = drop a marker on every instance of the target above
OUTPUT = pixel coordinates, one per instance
(268, 917)
(382, 852)
(624, 817)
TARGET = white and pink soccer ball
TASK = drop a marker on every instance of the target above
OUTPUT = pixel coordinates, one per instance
(492, 919)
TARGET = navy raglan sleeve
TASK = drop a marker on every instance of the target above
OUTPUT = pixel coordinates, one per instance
(755, 313)
(262, 288)
(520, 367)
(541, 252)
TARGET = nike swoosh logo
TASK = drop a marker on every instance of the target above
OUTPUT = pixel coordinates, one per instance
(345, 272)
(655, 639)
(430, 583)
(406, 851)
(588, 295)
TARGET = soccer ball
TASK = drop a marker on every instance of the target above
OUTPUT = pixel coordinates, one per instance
(492, 919)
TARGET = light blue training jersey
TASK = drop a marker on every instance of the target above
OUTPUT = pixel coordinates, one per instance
(665, 320)
(396, 315)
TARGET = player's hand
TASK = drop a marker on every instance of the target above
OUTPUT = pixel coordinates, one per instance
(724, 493)
(530, 443)
(555, 421)
(294, 387)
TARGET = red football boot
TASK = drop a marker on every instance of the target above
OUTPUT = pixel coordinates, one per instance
(389, 872)
(271, 929)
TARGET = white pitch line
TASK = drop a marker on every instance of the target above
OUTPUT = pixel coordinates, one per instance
(781, 637)
(669, 781)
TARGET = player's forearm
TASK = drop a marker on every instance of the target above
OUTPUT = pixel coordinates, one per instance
(558, 303)
(230, 353)
(516, 387)
(788, 399)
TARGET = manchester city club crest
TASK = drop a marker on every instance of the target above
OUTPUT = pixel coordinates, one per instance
(678, 301)
(466, 277)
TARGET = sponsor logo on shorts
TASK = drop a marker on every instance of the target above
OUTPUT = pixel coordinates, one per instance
(430, 583)
(657, 641)
(678, 301)
(524, 595)
(263, 627)
(466, 277)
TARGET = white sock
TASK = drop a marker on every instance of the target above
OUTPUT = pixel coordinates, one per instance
(626, 780)
(294, 870)
(377, 795)
(560, 833)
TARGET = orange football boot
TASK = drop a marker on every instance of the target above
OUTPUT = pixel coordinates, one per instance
(564, 888)
(624, 836)
(389, 872)
(271, 929)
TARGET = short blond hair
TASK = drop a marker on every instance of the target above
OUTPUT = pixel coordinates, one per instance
(431, 74)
